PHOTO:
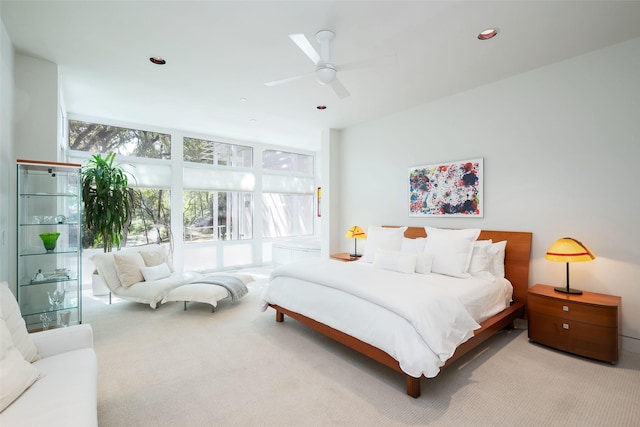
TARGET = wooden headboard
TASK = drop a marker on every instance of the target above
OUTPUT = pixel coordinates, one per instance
(516, 260)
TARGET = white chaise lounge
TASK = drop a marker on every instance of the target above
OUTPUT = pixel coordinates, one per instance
(145, 275)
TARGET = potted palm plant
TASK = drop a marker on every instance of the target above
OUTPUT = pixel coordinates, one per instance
(108, 205)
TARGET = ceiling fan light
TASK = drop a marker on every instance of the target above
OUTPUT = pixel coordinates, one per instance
(325, 74)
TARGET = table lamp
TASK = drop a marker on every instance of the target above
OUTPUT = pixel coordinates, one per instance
(569, 250)
(355, 233)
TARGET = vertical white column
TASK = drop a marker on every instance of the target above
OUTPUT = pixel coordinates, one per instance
(331, 224)
(258, 241)
(177, 207)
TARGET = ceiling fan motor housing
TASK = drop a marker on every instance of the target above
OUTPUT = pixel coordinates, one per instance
(325, 73)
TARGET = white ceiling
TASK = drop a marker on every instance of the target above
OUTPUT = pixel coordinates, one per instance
(219, 52)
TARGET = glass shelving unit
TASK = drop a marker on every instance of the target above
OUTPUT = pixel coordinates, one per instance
(49, 278)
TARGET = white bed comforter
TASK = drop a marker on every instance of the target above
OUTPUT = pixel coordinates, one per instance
(418, 324)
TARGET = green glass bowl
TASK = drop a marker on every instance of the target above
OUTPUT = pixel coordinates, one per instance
(49, 240)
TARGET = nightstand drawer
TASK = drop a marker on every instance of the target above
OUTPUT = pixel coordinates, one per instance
(597, 342)
(571, 310)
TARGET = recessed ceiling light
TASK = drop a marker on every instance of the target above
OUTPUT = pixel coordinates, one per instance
(321, 107)
(487, 34)
(157, 60)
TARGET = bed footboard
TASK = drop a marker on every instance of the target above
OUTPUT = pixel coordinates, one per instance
(413, 384)
(487, 329)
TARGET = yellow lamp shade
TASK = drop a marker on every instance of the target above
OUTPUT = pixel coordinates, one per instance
(568, 249)
(355, 232)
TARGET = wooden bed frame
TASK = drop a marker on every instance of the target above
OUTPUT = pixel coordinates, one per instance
(516, 264)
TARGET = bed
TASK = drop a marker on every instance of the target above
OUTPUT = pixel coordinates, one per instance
(330, 297)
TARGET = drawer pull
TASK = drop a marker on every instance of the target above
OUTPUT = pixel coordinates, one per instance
(565, 308)
(565, 326)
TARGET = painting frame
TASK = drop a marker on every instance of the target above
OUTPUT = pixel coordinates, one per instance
(447, 189)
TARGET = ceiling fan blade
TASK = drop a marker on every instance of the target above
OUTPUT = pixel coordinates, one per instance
(282, 81)
(304, 44)
(366, 63)
(338, 88)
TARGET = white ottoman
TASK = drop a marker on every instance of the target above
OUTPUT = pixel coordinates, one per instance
(199, 292)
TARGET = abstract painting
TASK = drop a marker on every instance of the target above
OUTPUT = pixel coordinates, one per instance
(446, 189)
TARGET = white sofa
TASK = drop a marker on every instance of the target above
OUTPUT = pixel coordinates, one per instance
(48, 378)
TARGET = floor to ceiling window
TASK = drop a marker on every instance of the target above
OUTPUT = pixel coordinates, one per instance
(151, 221)
(226, 199)
(287, 194)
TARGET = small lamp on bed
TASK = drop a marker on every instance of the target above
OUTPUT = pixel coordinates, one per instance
(355, 233)
(569, 250)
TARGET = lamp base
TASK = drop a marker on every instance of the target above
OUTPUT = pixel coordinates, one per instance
(355, 255)
(571, 291)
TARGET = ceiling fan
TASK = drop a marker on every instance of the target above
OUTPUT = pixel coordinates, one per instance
(326, 70)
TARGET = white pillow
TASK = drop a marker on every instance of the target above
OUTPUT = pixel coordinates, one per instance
(497, 251)
(16, 374)
(413, 245)
(155, 255)
(451, 250)
(106, 267)
(156, 272)
(480, 258)
(128, 265)
(11, 316)
(416, 246)
(389, 239)
(424, 262)
(402, 262)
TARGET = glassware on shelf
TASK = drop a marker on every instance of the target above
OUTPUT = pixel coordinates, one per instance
(49, 240)
(65, 316)
(56, 298)
(38, 276)
(61, 273)
(46, 320)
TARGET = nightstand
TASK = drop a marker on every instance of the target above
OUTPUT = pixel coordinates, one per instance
(345, 257)
(586, 325)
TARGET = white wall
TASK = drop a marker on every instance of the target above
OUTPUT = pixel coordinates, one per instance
(36, 109)
(560, 145)
(7, 164)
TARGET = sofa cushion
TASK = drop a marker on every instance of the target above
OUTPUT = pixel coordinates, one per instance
(16, 374)
(106, 267)
(155, 255)
(66, 394)
(156, 272)
(55, 341)
(10, 313)
(200, 292)
(128, 266)
(152, 292)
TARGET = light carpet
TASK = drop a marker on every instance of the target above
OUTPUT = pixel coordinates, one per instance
(238, 367)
